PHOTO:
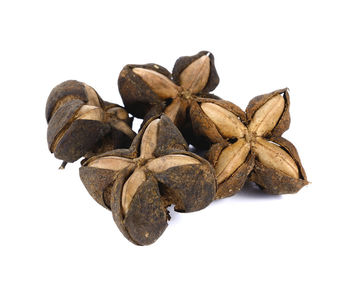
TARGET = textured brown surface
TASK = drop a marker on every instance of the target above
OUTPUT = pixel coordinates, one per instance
(269, 179)
(71, 137)
(204, 130)
(137, 96)
(147, 216)
(143, 102)
(236, 181)
(180, 185)
(274, 182)
(65, 92)
(190, 187)
(98, 182)
(79, 139)
(61, 120)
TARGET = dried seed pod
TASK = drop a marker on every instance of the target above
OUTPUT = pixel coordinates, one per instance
(280, 181)
(68, 91)
(251, 144)
(147, 90)
(81, 123)
(71, 133)
(140, 183)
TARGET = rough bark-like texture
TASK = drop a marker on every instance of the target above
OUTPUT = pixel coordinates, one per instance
(80, 138)
(146, 219)
(70, 138)
(65, 92)
(274, 182)
(97, 182)
(191, 186)
(61, 120)
(181, 185)
(169, 137)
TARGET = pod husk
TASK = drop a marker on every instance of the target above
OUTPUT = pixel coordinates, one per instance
(65, 92)
(147, 217)
(80, 138)
(284, 121)
(183, 62)
(274, 182)
(137, 96)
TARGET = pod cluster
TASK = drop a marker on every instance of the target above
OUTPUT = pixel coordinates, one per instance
(138, 176)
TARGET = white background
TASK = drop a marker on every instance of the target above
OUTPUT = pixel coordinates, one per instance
(52, 230)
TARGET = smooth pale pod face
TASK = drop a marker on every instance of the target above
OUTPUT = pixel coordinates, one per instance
(90, 113)
(130, 188)
(172, 110)
(195, 76)
(227, 123)
(159, 83)
(230, 159)
(149, 140)
(267, 116)
(275, 157)
(111, 163)
(163, 163)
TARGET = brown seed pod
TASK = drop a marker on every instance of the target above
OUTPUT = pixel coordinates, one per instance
(81, 123)
(68, 91)
(147, 90)
(250, 144)
(138, 184)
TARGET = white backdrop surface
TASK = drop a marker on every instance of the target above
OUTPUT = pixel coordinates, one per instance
(52, 230)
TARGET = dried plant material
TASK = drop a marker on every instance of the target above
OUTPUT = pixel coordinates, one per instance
(81, 124)
(111, 163)
(221, 118)
(137, 178)
(250, 139)
(149, 90)
(140, 183)
(231, 158)
(266, 118)
(274, 157)
(195, 76)
(90, 113)
(159, 83)
(149, 140)
(163, 163)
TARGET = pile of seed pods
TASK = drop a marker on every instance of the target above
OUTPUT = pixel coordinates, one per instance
(138, 176)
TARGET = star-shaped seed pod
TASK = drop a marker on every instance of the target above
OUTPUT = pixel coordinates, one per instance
(250, 144)
(150, 89)
(80, 123)
(139, 184)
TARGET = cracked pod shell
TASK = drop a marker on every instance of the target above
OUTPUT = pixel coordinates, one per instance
(70, 139)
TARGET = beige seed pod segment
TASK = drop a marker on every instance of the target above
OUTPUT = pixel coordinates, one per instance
(231, 158)
(267, 116)
(195, 76)
(226, 122)
(159, 83)
(274, 157)
(163, 163)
